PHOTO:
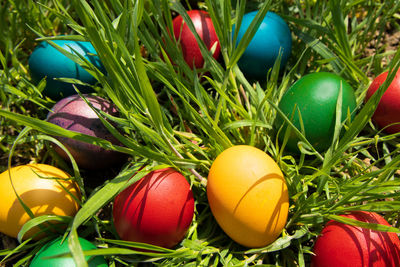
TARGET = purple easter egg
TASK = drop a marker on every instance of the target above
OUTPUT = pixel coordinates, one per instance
(72, 113)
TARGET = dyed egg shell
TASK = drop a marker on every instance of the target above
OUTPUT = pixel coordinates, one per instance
(43, 196)
(260, 55)
(158, 209)
(47, 61)
(314, 97)
(58, 246)
(248, 195)
(72, 113)
(342, 245)
(388, 110)
(204, 28)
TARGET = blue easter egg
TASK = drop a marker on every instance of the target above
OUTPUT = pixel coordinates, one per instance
(47, 61)
(272, 35)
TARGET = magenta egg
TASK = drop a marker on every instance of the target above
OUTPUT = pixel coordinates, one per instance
(74, 114)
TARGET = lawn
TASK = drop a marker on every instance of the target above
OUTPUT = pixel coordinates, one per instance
(168, 114)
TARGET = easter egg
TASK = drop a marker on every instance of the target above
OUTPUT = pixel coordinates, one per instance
(40, 186)
(272, 36)
(248, 195)
(342, 245)
(388, 109)
(59, 246)
(204, 28)
(158, 209)
(73, 113)
(47, 61)
(313, 99)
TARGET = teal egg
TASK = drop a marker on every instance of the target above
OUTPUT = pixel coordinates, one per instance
(57, 247)
(47, 61)
(272, 36)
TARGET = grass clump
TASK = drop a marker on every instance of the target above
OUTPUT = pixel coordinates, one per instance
(173, 115)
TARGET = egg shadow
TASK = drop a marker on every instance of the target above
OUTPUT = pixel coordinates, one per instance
(206, 32)
(43, 202)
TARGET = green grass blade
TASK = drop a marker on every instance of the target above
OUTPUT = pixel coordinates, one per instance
(372, 226)
(32, 223)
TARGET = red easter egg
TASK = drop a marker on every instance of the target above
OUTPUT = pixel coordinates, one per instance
(204, 28)
(158, 209)
(341, 245)
(388, 110)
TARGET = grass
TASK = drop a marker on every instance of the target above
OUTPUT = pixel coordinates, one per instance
(170, 114)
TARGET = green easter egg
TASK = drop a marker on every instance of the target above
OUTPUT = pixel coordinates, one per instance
(313, 98)
(55, 247)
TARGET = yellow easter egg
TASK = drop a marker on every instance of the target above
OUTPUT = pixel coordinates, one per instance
(40, 187)
(248, 195)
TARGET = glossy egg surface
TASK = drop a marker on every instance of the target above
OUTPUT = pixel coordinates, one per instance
(58, 246)
(204, 28)
(248, 195)
(158, 209)
(388, 110)
(272, 36)
(342, 245)
(47, 61)
(43, 196)
(313, 99)
(72, 113)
